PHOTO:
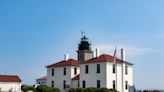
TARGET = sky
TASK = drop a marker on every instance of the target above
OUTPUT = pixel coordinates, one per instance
(36, 33)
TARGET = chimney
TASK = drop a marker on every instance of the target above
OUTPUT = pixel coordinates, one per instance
(97, 52)
(122, 54)
(66, 57)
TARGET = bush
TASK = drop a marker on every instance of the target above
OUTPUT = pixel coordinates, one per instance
(156, 91)
(104, 90)
(80, 89)
(44, 88)
(40, 88)
(112, 90)
(72, 90)
(91, 90)
(26, 88)
(151, 91)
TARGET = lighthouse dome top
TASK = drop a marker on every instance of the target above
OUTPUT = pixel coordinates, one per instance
(84, 44)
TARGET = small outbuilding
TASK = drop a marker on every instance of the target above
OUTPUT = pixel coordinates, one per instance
(41, 80)
(10, 83)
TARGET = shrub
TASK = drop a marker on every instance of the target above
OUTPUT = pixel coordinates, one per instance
(91, 89)
(80, 89)
(72, 90)
(156, 91)
(151, 91)
(104, 90)
(26, 88)
(44, 88)
(112, 90)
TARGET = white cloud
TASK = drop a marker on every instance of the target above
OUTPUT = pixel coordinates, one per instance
(130, 50)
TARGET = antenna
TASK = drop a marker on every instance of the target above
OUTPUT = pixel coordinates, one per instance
(82, 33)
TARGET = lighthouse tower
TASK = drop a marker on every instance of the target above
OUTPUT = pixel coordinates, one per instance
(84, 49)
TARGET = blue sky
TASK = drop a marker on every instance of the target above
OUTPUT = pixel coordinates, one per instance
(35, 33)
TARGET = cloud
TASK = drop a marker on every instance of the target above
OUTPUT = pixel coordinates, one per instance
(130, 50)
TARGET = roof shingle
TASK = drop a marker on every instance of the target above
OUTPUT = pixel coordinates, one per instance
(9, 78)
(76, 77)
(105, 58)
(69, 62)
(42, 78)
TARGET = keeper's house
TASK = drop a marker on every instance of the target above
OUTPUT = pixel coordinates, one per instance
(100, 71)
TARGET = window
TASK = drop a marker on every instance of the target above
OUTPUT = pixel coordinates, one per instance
(98, 83)
(83, 84)
(114, 68)
(64, 84)
(52, 72)
(86, 69)
(75, 70)
(81, 56)
(126, 69)
(64, 71)
(114, 84)
(126, 85)
(98, 68)
(78, 84)
(52, 84)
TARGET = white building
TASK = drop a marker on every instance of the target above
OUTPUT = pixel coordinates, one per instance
(10, 83)
(60, 74)
(42, 80)
(88, 71)
(103, 72)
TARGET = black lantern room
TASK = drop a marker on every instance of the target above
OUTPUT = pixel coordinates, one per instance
(84, 44)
